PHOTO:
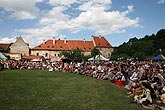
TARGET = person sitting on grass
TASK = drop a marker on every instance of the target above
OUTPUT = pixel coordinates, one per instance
(136, 90)
(145, 98)
(161, 100)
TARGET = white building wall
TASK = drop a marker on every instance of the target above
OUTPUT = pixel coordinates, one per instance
(53, 55)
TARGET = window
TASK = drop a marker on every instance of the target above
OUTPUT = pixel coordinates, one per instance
(54, 54)
(48, 46)
(37, 54)
(52, 46)
(39, 46)
(46, 54)
(60, 46)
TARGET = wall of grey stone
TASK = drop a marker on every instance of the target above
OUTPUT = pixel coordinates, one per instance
(20, 47)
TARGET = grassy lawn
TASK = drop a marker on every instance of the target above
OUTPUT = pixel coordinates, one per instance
(44, 90)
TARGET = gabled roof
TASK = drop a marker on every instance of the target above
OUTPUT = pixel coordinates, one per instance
(19, 41)
(4, 47)
(100, 41)
(73, 44)
(65, 45)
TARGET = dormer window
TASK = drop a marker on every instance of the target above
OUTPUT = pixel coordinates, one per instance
(60, 46)
(39, 46)
(48, 46)
(89, 48)
(99, 44)
(52, 46)
(84, 48)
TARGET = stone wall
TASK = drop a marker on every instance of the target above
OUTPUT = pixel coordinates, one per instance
(19, 47)
(106, 52)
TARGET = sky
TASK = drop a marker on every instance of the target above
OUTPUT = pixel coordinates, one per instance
(117, 20)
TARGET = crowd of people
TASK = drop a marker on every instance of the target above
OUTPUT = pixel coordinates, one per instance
(144, 80)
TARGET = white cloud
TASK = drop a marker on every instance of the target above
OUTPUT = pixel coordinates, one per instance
(21, 9)
(23, 15)
(93, 15)
(61, 2)
(7, 39)
(105, 22)
(54, 15)
(161, 2)
(130, 8)
(102, 4)
(36, 36)
(27, 38)
(102, 22)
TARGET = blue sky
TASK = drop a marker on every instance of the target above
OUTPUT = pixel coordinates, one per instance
(117, 20)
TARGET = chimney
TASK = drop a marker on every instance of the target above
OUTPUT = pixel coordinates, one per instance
(65, 40)
(54, 40)
(93, 41)
(84, 39)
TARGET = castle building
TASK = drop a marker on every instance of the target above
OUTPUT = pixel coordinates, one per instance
(51, 49)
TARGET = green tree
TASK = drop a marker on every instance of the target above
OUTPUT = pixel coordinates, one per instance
(74, 55)
(139, 56)
(67, 54)
(95, 52)
(159, 41)
(77, 54)
(145, 47)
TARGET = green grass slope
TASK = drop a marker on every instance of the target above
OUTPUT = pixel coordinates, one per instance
(44, 90)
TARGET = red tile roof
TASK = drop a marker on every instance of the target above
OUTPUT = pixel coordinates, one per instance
(72, 44)
(61, 45)
(100, 41)
(4, 45)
